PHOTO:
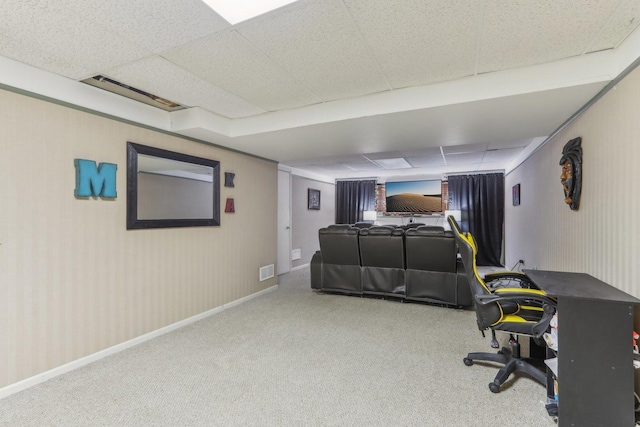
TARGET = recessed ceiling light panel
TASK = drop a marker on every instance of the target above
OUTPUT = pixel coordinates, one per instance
(398, 163)
(235, 11)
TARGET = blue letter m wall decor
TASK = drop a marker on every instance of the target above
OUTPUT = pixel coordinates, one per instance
(97, 181)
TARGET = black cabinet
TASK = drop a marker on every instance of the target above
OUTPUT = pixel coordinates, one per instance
(595, 357)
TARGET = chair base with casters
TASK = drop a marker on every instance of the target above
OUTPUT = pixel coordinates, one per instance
(512, 362)
(512, 306)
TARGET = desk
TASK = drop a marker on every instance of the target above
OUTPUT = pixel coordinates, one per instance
(595, 357)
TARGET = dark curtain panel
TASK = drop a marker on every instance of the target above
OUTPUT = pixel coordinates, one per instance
(352, 198)
(481, 200)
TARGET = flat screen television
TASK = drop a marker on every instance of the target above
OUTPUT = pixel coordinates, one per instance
(414, 196)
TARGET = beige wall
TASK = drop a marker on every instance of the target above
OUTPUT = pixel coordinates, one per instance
(73, 280)
(305, 222)
(599, 238)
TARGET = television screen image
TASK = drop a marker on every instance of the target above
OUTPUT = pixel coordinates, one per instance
(414, 196)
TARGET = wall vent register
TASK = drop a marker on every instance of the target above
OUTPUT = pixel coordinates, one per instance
(266, 272)
(114, 86)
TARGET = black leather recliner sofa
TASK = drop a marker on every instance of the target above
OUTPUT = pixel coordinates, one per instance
(382, 259)
(417, 264)
(434, 272)
(340, 266)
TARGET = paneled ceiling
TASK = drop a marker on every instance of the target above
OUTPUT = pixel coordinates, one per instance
(342, 88)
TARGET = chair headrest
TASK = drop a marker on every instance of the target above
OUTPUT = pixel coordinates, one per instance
(339, 229)
(363, 224)
(382, 230)
(426, 230)
(454, 224)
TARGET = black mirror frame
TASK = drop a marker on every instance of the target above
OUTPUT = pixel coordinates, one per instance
(133, 222)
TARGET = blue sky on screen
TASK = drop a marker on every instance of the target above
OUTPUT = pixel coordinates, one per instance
(416, 187)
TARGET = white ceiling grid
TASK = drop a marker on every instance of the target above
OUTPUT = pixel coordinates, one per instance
(617, 27)
(228, 60)
(331, 60)
(322, 52)
(154, 25)
(522, 33)
(418, 42)
(158, 75)
(75, 51)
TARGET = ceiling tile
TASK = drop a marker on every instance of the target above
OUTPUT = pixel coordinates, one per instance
(154, 25)
(29, 54)
(624, 20)
(229, 61)
(464, 148)
(517, 34)
(319, 161)
(466, 158)
(418, 42)
(505, 155)
(316, 169)
(425, 162)
(318, 44)
(510, 144)
(422, 152)
(61, 41)
(337, 167)
(383, 155)
(158, 76)
(363, 166)
(398, 163)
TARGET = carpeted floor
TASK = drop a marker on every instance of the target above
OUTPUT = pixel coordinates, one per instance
(292, 357)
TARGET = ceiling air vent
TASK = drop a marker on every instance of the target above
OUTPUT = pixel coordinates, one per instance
(127, 91)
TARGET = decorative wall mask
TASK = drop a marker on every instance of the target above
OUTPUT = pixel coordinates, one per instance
(571, 176)
(230, 206)
(228, 179)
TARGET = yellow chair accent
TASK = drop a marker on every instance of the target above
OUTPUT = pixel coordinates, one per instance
(515, 310)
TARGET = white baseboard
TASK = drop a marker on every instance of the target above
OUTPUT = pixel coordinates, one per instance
(83, 361)
(300, 267)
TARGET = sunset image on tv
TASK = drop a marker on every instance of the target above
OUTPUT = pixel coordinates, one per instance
(414, 196)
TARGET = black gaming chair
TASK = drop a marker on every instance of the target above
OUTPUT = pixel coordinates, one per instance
(518, 311)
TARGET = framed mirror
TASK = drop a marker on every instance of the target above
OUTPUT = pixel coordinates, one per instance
(169, 189)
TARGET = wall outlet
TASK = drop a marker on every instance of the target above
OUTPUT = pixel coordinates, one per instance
(296, 254)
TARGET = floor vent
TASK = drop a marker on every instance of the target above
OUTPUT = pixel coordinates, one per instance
(266, 272)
